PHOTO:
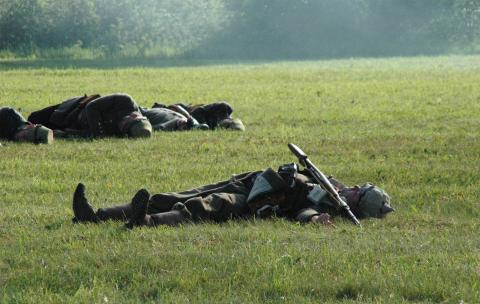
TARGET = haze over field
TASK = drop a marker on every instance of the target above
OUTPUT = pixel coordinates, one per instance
(238, 29)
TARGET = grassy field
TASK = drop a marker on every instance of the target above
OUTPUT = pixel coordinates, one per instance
(410, 125)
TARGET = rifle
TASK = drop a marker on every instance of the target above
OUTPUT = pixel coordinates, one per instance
(322, 181)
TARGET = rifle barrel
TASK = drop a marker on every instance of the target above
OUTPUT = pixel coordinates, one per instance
(298, 152)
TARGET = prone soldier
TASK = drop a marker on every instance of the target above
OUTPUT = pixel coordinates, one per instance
(211, 116)
(95, 116)
(287, 192)
(16, 128)
(172, 118)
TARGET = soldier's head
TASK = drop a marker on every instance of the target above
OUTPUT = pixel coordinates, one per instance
(136, 125)
(37, 134)
(232, 124)
(367, 201)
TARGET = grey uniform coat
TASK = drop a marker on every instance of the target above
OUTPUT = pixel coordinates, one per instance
(163, 119)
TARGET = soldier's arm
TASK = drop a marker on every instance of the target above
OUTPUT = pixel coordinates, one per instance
(311, 215)
(94, 112)
(171, 125)
(323, 219)
(94, 116)
(191, 121)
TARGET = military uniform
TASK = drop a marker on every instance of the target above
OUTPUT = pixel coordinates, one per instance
(303, 206)
(216, 202)
(163, 119)
(287, 192)
(210, 114)
(241, 196)
(10, 123)
(98, 116)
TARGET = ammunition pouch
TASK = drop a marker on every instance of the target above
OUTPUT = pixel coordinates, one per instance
(288, 172)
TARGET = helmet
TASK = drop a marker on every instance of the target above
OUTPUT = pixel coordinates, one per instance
(373, 202)
(140, 128)
(232, 124)
(136, 125)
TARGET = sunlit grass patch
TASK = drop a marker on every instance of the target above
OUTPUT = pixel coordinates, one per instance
(409, 125)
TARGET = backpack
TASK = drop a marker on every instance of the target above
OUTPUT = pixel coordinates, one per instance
(66, 114)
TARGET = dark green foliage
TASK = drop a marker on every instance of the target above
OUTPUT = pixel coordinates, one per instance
(238, 29)
(112, 26)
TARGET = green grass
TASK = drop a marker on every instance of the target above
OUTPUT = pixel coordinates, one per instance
(411, 125)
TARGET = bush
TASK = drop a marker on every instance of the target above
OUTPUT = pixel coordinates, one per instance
(240, 28)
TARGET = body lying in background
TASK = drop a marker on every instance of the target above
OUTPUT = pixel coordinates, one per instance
(208, 116)
(171, 119)
(95, 116)
(119, 115)
(14, 127)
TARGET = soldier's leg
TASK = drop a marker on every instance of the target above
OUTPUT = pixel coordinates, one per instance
(84, 212)
(115, 213)
(163, 202)
(217, 207)
(178, 215)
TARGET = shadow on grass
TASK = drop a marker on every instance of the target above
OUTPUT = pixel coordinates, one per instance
(13, 64)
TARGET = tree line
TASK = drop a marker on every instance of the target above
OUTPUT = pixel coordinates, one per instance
(241, 28)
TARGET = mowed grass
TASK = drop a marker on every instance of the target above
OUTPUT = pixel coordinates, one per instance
(409, 125)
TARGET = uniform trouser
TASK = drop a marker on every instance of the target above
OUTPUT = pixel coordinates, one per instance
(10, 122)
(216, 202)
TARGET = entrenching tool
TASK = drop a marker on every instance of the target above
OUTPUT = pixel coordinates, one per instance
(322, 181)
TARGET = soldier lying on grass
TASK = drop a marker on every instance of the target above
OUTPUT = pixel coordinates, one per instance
(168, 119)
(287, 192)
(95, 116)
(16, 128)
(209, 116)
(119, 115)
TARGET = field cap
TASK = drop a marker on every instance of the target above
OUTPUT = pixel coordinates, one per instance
(232, 123)
(373, 202)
